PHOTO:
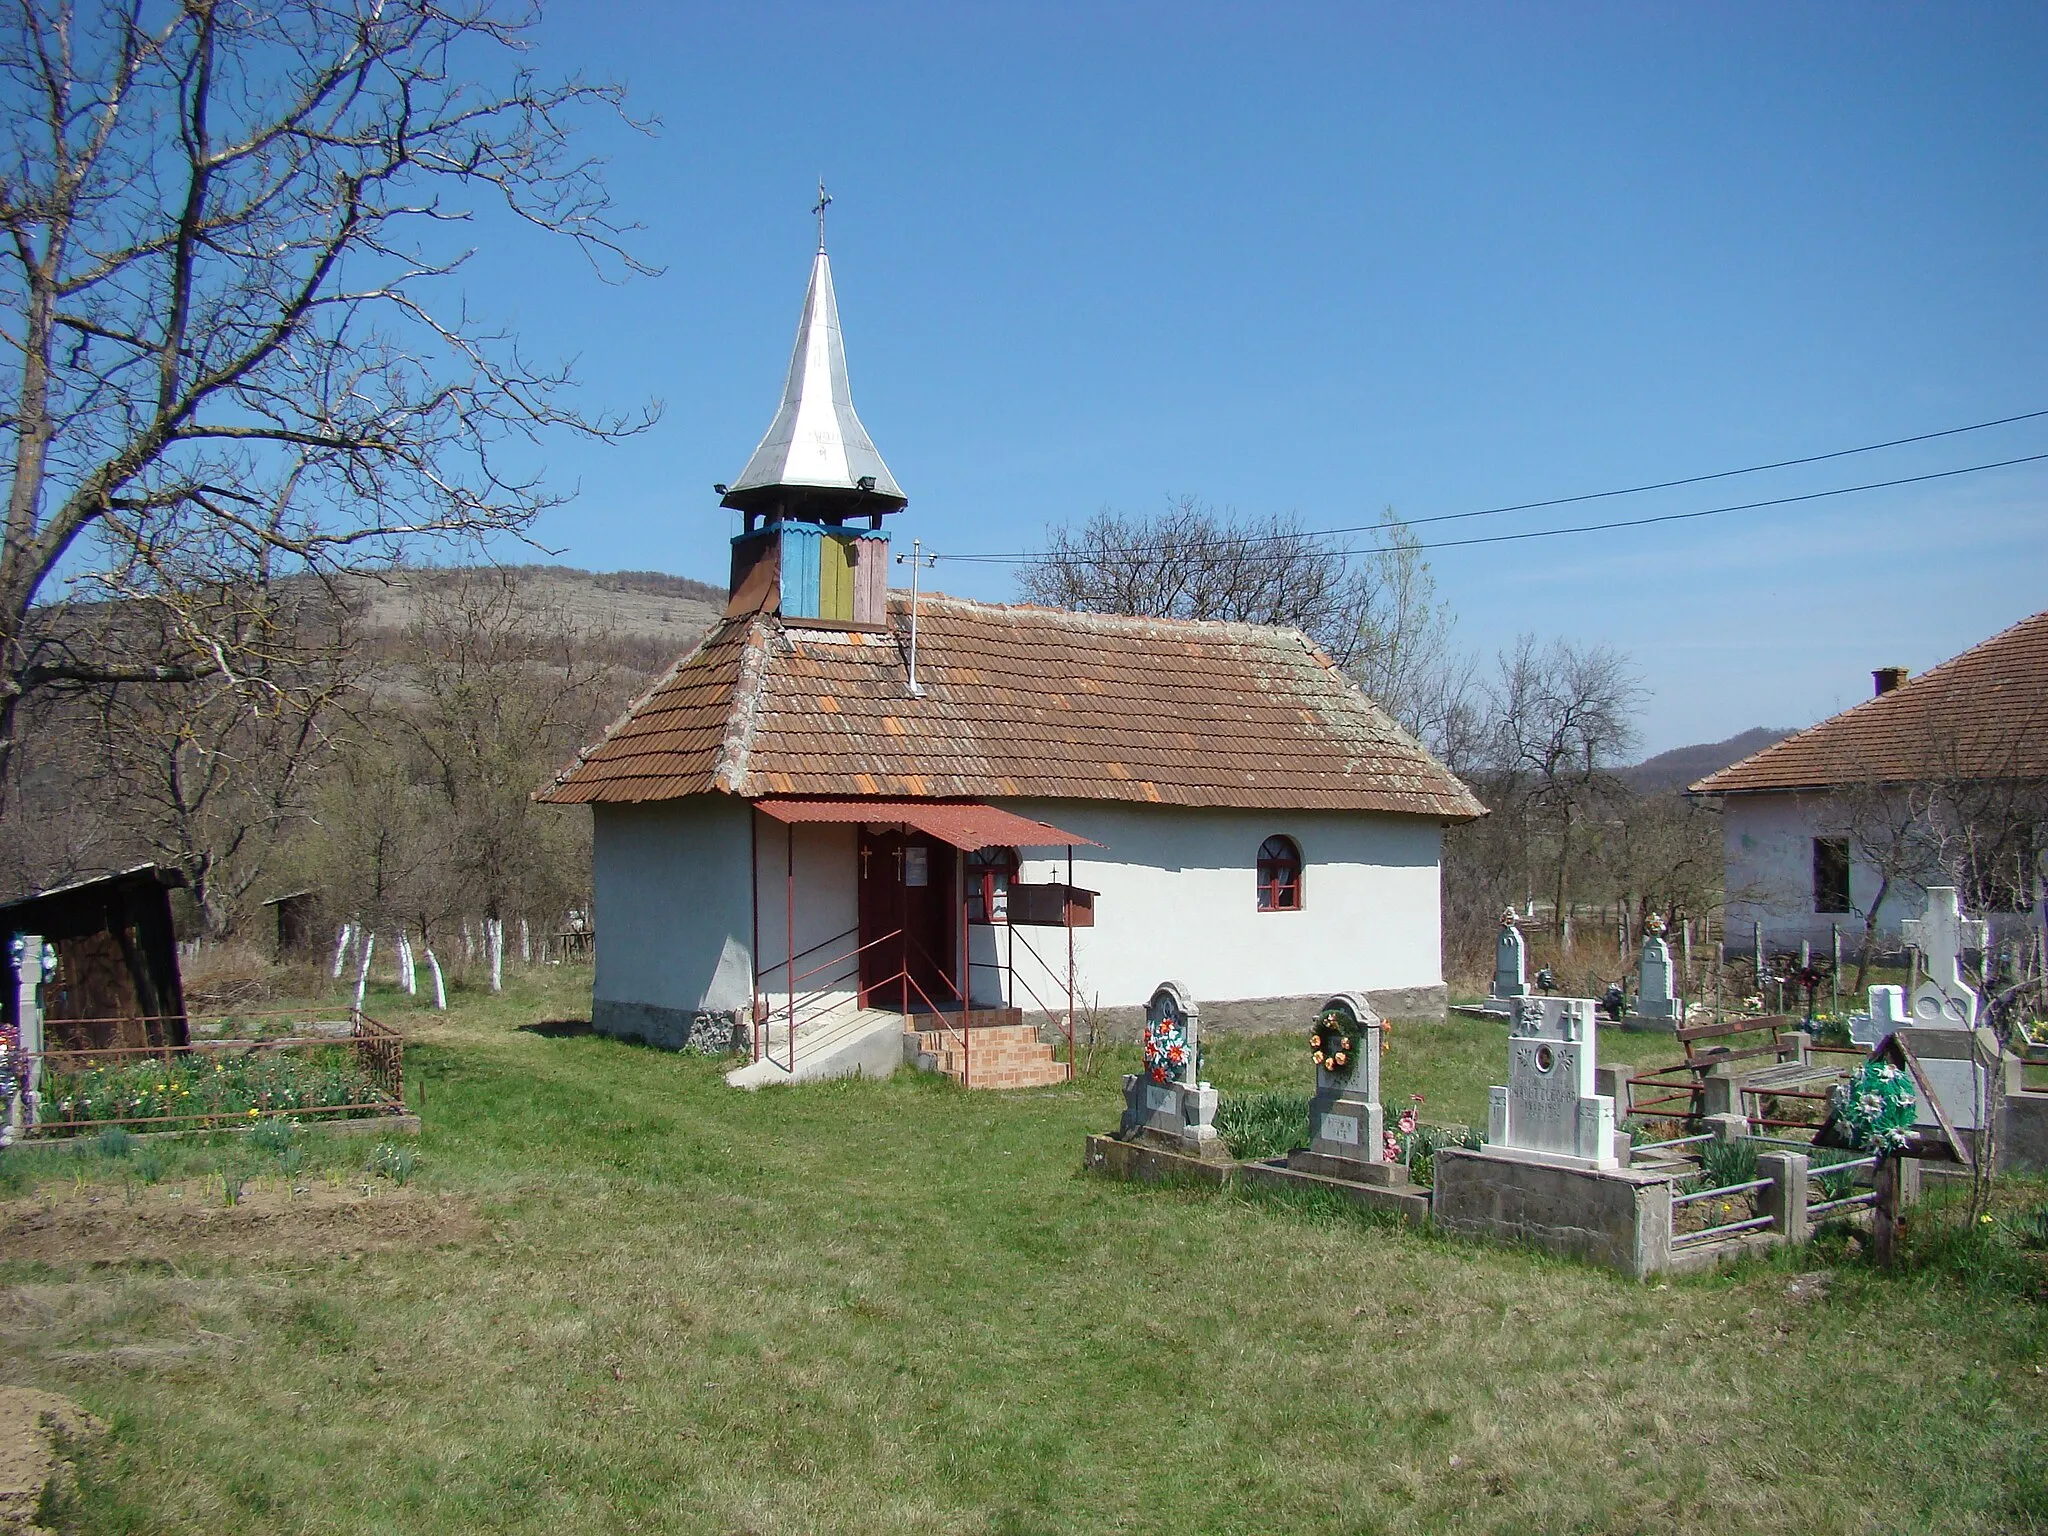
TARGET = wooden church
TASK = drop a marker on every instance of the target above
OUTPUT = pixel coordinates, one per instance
(855, 828)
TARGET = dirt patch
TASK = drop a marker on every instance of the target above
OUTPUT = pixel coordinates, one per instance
(30, 1423)
(97, 1227)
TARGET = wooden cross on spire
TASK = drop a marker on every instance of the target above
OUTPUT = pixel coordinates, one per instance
(824, 202)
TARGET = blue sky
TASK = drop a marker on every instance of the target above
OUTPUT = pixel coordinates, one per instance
(1327, 260)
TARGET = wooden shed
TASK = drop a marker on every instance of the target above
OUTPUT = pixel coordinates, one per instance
(117, 981)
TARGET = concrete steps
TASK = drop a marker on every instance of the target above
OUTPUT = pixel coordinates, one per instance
(1005, 1055)
(848, 1041)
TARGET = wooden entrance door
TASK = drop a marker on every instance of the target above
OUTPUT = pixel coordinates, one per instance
(906, 920)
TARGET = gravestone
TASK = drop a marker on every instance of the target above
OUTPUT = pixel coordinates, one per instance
(1167, 1101)
(1656, 998)
(1345, 1121)
(1510, 956)
(1944, 1000)
(1887, 1013)
(1548, 1112)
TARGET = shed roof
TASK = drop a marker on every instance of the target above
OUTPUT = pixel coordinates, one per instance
(1983, 714)
(1017, 702)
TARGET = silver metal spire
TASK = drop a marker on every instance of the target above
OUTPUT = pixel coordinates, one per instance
(816, 443)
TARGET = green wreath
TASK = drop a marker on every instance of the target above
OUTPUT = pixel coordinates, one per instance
(1332, 1042)
(1877, 1107)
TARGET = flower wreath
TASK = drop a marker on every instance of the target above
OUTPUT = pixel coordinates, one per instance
(1166, 1049)
(1332, 1042)
(1877, 1107)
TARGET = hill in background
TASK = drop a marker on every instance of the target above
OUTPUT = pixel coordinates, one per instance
(1670, 771)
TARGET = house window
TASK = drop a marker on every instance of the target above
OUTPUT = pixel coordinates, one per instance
(1279, 875)
(989, 873)
(1831, 874)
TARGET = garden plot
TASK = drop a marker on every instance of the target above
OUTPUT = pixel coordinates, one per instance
(271, 1218)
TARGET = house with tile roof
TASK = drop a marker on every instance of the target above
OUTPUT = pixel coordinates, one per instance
(1936, 779)
(856, 826)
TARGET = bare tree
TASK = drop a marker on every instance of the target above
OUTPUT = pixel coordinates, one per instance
(1561, 719)
(1374, 612)
(1189, 562)
(231, 347)
(501, 686)
(199, 781)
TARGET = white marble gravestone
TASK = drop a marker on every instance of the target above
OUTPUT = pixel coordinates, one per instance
(1345, 1120)
(1548, 1112)
(1655, 996)
(1944, 1000)
(1510, 959)
(1887, 1012)
(1181, 1109)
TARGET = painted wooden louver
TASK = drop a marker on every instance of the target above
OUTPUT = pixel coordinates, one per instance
(835, 577)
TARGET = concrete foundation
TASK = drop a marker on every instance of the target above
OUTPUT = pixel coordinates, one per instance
(1144, 1162)
(1617, 1217)
(714, 1033)
(1305, 1170)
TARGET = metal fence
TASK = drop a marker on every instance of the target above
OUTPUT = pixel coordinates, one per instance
(353, 1068)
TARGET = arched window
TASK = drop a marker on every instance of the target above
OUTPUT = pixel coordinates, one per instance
(1279, 875)
(989, 873)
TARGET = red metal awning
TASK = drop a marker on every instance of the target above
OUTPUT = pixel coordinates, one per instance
(965, 824)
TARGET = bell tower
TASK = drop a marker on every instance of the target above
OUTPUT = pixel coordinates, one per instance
(812, 482)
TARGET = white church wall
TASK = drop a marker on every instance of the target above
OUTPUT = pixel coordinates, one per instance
(827, 911)
(673, 916)
(1179, 901)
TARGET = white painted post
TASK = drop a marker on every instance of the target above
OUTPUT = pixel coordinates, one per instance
(495, 936)
(525, 943)
(408, 977)
(363, 971)
(468, 944)
(341, 948)
(28, 1014)
(440, 990)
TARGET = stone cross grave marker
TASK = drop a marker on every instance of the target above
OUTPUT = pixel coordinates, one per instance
(1548, 1112)
(1887, 1012)
(1510, 956)
(1345, 1120)
(1944, 1000)
(1655, 996)
(1167, 1100)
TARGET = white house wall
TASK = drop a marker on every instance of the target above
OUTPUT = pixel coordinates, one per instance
(1768, 852)
(1179, 902)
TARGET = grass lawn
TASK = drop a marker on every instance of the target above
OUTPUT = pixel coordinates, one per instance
(617, 1296)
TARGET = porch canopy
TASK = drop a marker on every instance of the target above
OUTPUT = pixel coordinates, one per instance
(967, 825)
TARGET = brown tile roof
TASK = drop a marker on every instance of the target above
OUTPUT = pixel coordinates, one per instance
(1018, 702)
(1983, 714)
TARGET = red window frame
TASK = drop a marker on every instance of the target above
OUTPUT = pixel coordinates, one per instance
(990, 873)
(1280, 875)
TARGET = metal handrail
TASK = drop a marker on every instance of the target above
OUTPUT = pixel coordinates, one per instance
(1725, 1189)
(837, 959)
(1752, 1224)
(961, 1033)
(842, 934)
(1676, 1141)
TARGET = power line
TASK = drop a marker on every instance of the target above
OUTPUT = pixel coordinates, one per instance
(1746, 506)
(1021, 556)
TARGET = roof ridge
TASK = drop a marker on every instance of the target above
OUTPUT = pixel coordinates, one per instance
(1091, 616)
(743, 715)
(1903, 700)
